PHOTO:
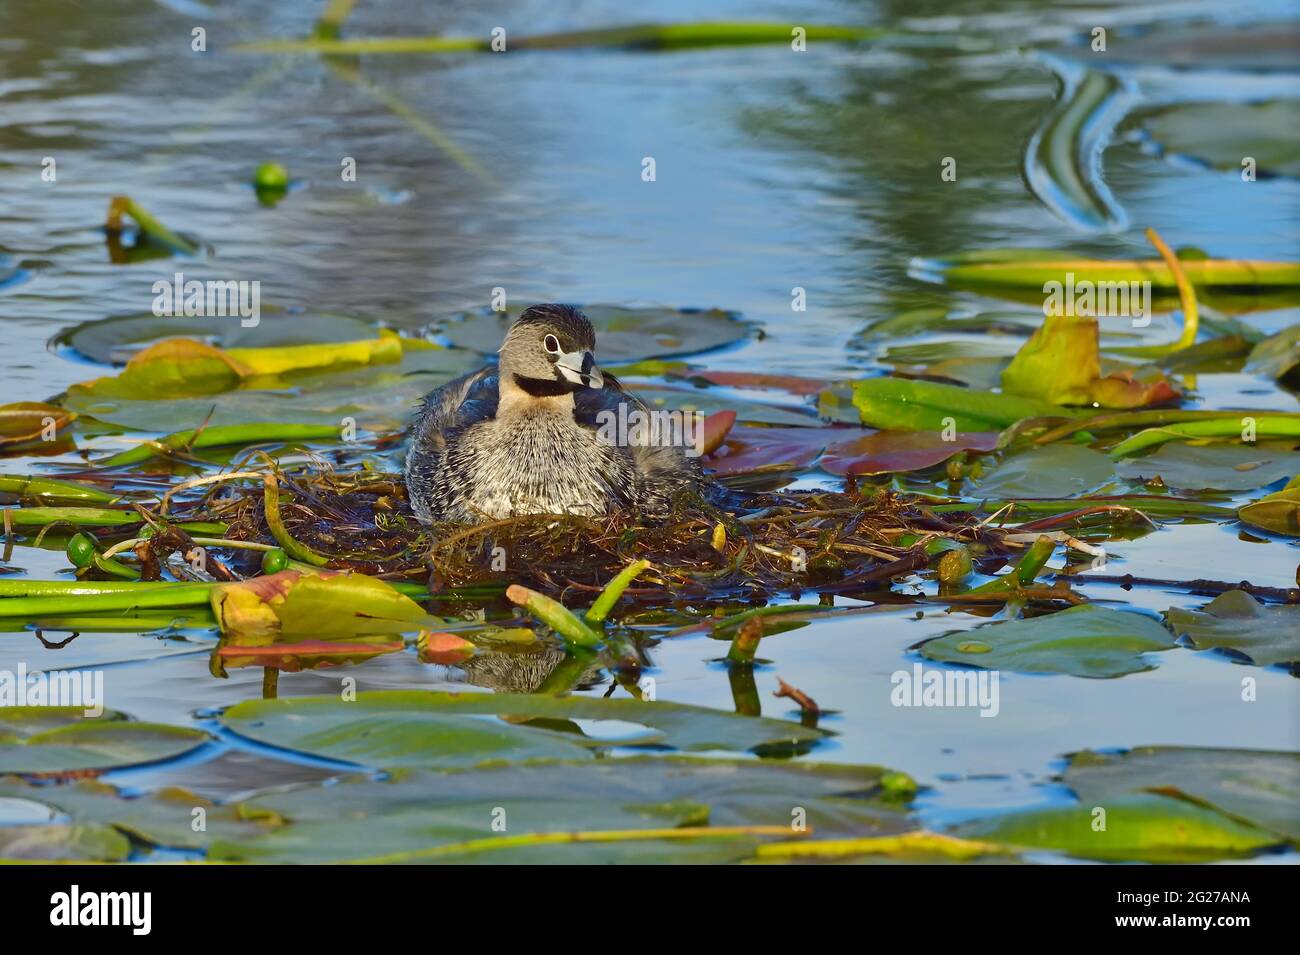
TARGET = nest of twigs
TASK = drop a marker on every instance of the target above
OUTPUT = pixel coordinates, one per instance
(817, 541)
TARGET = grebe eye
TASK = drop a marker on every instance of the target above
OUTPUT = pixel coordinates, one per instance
(552, 344)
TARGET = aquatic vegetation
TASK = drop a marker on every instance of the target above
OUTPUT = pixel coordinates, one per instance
(26, 421)
(923, 479)
(150, 228)
(1238, 624)
(643, 37)
(1278, 512)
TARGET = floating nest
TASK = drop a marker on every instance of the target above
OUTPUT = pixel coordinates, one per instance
(762, 544)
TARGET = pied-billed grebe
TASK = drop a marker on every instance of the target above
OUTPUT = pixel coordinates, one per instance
(543, 432)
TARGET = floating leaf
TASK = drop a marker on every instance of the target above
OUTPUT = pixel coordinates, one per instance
(115, 340)
(1255, 786)
(294, 605)
(622, 334)
(1278, 512)
(390, 730)
(1139, 828)
(1054, 470)
(1237, 622)
(184, 367)
(27, 421)
(378, 397)
(904, 405)
(1085, 641)
(887, 452)
(162, 818)
(747, 450)
(62, 739)
(1276, 356)
(62, 842)
(1061, 363)
(411, 815)
(1220, 466)
(1267, 132)
(389, 719)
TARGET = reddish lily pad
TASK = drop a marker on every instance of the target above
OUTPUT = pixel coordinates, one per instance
(886, 452)
(747, 450)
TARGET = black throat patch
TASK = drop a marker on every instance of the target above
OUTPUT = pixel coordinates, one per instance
(544, 388)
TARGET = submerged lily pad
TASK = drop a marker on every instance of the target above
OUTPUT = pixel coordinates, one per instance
(1237, 622)
(1220, 466)
(1255, 786)
(1085, 641)
(46, 739)
(1138, 827)
(622, 334)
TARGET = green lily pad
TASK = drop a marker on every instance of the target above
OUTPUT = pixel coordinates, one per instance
(416, 815)
(62, 842)
(380, 398)
(1236, 621)
(1278, 512)
(1220, 466)
(900, 404)
(115, 340)
(414, 728)
(1085, 641)
(50, 739)
(1276, 356)
(1255, 786)
(1222, 134)
(622, 334)
(163, 818)
(391, 733)
(1054, 470)
(1140, 827)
